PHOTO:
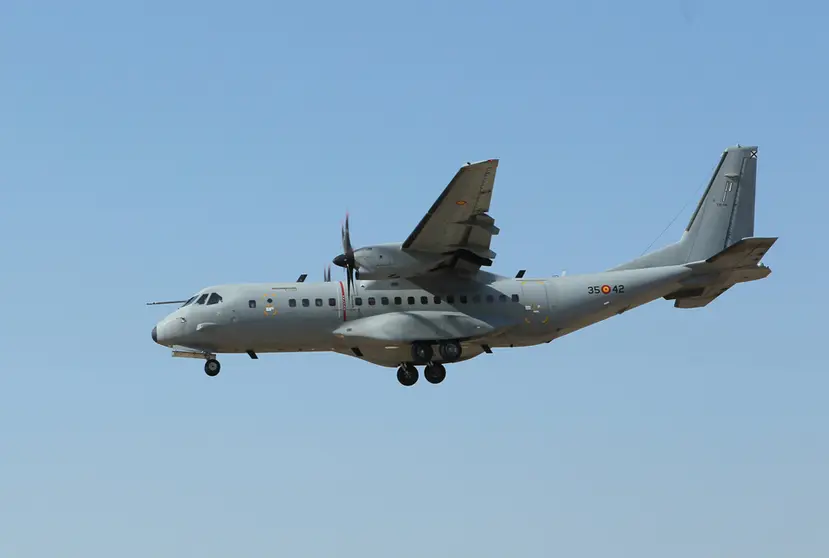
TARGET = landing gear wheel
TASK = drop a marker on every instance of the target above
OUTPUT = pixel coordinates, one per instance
(212, 367)
(421, 352)
(450, 351)
(407, 375)
(434, 373)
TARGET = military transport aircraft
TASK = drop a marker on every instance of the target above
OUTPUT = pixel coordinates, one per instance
(426, 301)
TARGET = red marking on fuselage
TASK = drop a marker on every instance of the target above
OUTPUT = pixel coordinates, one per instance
(342, 297)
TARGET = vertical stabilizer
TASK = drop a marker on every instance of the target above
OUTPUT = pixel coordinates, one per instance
(725, 213)
(723, 217)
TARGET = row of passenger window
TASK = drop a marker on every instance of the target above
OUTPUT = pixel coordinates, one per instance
(384, 300)
(450, 299)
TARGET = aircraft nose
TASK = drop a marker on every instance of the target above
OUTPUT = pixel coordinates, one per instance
(155, 335)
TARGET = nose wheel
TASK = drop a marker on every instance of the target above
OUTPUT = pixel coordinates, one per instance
(212, 367)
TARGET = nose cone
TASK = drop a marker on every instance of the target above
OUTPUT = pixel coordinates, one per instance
(340, 260)
(155, 335)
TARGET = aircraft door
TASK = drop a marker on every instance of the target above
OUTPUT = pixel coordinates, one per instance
(536, 304)
(346, 307)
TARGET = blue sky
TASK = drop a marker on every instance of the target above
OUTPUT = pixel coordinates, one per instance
(150, 149)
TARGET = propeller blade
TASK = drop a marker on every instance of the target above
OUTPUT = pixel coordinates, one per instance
(347, 248)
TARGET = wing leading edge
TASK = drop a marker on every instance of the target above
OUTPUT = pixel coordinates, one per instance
(458, 224)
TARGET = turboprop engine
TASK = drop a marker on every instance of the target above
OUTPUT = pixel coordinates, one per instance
(382, 261)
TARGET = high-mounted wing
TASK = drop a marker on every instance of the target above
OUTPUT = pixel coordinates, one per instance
(458, 225)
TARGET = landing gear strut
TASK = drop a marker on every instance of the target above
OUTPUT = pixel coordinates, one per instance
(212, 367)
(407, 374)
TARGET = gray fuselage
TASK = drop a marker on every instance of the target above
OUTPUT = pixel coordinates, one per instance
(493, 312)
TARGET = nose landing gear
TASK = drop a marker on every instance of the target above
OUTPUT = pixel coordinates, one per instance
(212, 367)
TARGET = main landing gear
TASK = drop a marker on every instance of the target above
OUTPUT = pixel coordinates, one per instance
(434, 372)
(422, 353)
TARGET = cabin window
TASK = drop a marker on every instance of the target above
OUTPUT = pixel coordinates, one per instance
(437, 300)
(476, 299)
(371, 301)
(490, 298)
(306, 303)
(398, 300)
(502, 298)
(318, 302)
(251, 304)
(201, 299)
(450, 299)
(515, 298)
(214, 299)
(292, 303)
(358, 301)
(410, 300)
(463, 299)
(384, 301)
(332, 302)
(424, 300)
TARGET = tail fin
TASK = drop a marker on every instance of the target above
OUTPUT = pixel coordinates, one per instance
(723, 217)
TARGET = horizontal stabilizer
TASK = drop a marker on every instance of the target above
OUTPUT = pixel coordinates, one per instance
(739, 263)
(698, 301)
(745, 252)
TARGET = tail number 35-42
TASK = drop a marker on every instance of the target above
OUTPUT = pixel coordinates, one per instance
(605, 289)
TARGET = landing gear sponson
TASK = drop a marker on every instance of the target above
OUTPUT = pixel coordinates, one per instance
(422, 353)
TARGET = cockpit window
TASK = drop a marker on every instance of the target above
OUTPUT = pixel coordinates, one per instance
(189, 300)
(214, 299)
(201, 299)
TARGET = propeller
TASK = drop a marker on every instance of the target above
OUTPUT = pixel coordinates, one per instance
(326, 274)
(346, 259)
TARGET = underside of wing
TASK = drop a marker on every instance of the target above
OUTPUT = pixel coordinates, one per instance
(458, 224)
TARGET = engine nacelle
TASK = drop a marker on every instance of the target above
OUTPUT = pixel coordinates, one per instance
(390, 261)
